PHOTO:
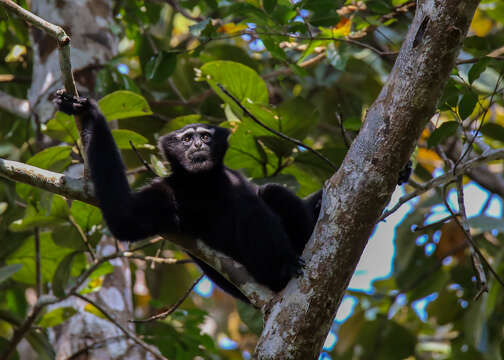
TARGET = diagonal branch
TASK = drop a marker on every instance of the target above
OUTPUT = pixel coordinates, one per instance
(78, 189)
(441, 180)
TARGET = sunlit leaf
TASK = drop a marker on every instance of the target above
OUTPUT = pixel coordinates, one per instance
(124, 104)
(56, 317)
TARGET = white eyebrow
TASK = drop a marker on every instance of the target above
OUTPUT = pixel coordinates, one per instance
(202, 129)
(187, 132)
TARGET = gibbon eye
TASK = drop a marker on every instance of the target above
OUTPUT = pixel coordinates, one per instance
(205, 137)
(186, 138)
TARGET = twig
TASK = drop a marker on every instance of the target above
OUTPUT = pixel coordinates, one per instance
(175, 4)
(96, 345)
(83, 237)
(443, 179)
(159, 260)
(277, 133)
(435, 223)
(476, 59)
(172, 308)
(145, 163)
(38, 270)
(158, 254)
(471, 141)
(21, 331)
(126, 332)
(473, 245)
(344, 134)
(287, 70)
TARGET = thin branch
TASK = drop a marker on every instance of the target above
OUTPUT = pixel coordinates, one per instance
(471, 141)
(20, 332)
(464, 226)
(145, 163)
(476, 59)
(156, 259)
(474, 246)
(83, 237)
(79, 354)
(287, 70)
(126, 331)
(171, 309)
(14, 105)
(435, 223)
(277, 133)
(445, 178)
(175, 4)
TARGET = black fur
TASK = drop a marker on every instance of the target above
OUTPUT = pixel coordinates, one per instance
(264, 228)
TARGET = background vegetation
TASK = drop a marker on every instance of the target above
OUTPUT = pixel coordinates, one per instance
(309, 69)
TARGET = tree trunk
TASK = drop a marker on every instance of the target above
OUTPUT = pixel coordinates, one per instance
(357, 194)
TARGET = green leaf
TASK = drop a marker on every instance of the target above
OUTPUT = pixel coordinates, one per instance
(251, 316)
(38, 218)
(9, 270)
(338, 56)
(445, 308)
(85, 215)
(241, 81)
(159, 167)
(466, 105)
(124, 104)
(477, 69)
(62, 274)
(122, 137)
(203, 28)
(180, 122)
(66, 235)
(272, 46)
(51, 255)
(62, 127)
(94, 310)
(102, 270)
(55, 158)
(442, 133)
(269, 5)
(160, 67)
(56, 317)
(494, 131)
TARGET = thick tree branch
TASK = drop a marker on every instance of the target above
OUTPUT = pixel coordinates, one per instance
(60, 184)
(356, 195)
(78, 189)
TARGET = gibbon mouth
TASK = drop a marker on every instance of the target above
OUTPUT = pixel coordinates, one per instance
(199, 156)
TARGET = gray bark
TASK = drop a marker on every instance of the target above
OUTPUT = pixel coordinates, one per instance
(357, 194)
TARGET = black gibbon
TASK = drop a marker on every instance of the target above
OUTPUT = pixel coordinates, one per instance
(265, 228)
